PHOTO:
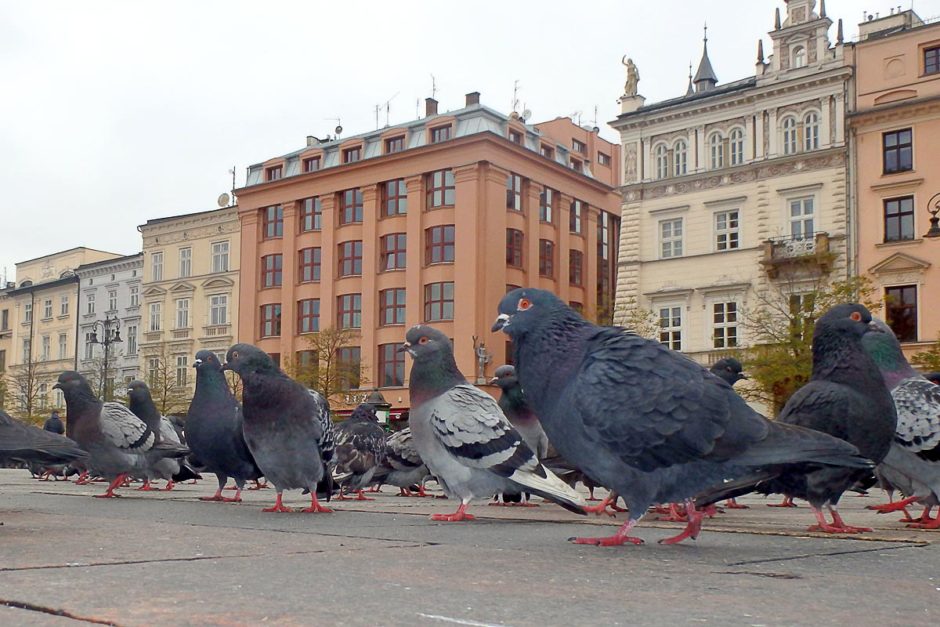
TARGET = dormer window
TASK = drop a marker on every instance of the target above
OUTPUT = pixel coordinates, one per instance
(578, 146)
(799, 57)
(440, 134)
(351, 155)
(311, 164)
(274, 173)
(394, 144)
(515, 137)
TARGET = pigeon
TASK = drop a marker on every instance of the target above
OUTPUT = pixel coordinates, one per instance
(729, 369)
(513, 403)
(647, 421)
(360, 450)
(25, 443)
(933, 377)
(403, 466)
(118, 442)
(214, 428)
(171, 470)
(912, 464)
(287, 427)
(464, 437)
(54, 424)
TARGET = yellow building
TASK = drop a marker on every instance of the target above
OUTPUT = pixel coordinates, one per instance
(43, 318)
(190, 291)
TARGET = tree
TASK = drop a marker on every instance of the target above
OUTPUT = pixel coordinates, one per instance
(23, 388)
(93, 372)
(331, 365)
(780, 328)
(169, 395)
(643, 322)
(928, 360)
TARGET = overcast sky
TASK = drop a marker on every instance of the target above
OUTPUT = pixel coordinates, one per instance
(113, 113)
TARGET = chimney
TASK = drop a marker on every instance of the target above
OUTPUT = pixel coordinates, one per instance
(311, 140)
(473, 98)
(430, 107)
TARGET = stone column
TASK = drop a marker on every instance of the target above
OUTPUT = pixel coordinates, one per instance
(414, 252)
(370, 265)
(289, 279)
(247, 298)
(328, 223)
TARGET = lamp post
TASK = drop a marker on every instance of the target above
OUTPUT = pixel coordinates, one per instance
(110, 329)
(382, 407)
(933, 208)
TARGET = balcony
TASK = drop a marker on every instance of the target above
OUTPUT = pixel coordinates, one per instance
(792, 254)
(181, 334)
(217, 330)
(153, 336)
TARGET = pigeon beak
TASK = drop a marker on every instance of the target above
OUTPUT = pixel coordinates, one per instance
(494, 380)
(56, 387)
(197, 363)
(502, 321)
(404, 347)
(225, 366)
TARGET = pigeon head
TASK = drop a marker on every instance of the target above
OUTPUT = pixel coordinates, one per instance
(138, 391)
(364, 411)
(425, 343)
(206, 360)
(845, 319)
(434, 369)
(884, 349)
(505, 377)
(73, 383)
(525, 308)
(247, 359)
(729, 369)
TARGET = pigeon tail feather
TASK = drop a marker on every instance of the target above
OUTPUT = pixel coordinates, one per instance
(788, 444)
(550, 487)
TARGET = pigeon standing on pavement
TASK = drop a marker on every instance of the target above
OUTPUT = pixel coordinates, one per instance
(287, 427)
(513, 403)
(140, 401)
(644, 420)
(214, 428)
(912, 464)
(463, 436)
(403, 466)
(360, 450)
(26, 443)
(118, 442)
(728, 369)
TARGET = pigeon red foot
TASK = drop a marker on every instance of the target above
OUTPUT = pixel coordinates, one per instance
(146, 487)
(692, 528)
(924, 517)
(315, 507)
(111, 488)
(169, 485)
(621, 537)
(837, 526)
(733, 504)
(259, 486)
(894, 506)
(278, 506)
(223, 499)
(601, 508)
(924, 521)
(459, 515)
(787, 502)
(674, 514)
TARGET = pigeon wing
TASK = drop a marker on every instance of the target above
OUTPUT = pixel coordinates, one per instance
(400, 452)
(121, 428)
(918, 403)
(327, 438)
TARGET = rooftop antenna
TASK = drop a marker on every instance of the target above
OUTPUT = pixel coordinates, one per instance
(417, 107)
(594, 121)
(573, 116)
(433, 87)
(377, 109)
(515, 95)
(339, 127)
(388, 109)
(232, 172)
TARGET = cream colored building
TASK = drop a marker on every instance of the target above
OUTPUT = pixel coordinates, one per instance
(190, 290)
(736, 190)
(43, 322)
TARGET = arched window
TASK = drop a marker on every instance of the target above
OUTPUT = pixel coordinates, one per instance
(736, 146)
(811, 131)
(680, 157)
(789, 136)
(716, 151)
(799, 56)
(662, 161)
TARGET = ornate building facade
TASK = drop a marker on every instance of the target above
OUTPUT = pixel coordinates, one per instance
(736, 191)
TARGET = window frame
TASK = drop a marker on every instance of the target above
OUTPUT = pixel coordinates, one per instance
(716, 151)
(349, 258)
(273, 173)
(898, 149)
(515, 248)
(270, 319)
(185, 262)
(724, 324)
(310, 263)
(576, 216)
(272, 270)
(736, 137)
(393, 247)
(183, 319)
(547, 258)
(931, 66)
(351, 206)
(396, 198)
(390, 357)
(218, 309)
(436, 306)
(392, 304)
(438, 134)
(790, 139)
(801, 219)
(575, 267)
(444, 246)
(891, 307)
(308, 315)
(673, 240)
(514, 195)
(903, 217)
(312, 164)
(661, 161)
(547, 200)
(811, 129)
(349, 311)
(670, 334)
(731, 231)
(680, 158)
(391, 145)
(219, 257)
(311, 214)
(439, 191)
(352, 154)
(272, 222)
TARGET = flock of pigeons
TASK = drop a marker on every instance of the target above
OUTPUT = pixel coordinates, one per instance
(583, 403)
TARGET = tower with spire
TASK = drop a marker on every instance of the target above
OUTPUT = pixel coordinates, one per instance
(705, 79)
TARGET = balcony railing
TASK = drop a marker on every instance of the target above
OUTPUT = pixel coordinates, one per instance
(807, 252)
(181, 334)
(216, 330)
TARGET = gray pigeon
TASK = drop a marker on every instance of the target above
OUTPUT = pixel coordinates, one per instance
(25, 443)
(403, 466)
(644, 420)
(214, 427)
(933, 377)
(118, 442)
(912, 464)
(463, 436)
(360, 450)
(513, 403)
(287, 427)
(728, 369)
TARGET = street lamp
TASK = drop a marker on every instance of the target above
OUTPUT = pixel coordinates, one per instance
(111, 334)
(933, 208)
(382, 407)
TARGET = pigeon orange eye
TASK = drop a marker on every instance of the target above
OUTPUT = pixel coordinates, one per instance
(423, 340)
(856, 316)
(524, 304)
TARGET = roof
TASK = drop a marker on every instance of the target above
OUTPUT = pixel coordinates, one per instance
(105, 262)
(727, 88)
(62, 252)
(705, 71)
(187, 215)
(71, 278)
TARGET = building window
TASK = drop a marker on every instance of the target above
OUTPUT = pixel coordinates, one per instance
(182, 313)
(514, 192)
(799, 57)
(182, 370)
(28, 312)
(546, 204)
(47, 308)
(439, 244)
(661, 156)
(789, 136)
(156, 316)
(811, 131)
(220, 256)
(134, 299)
(156, 266)
(393, 252)
(132, 339)
(670, 327)
(349, 311)
(899, 219)
(736, 146)
(931, 60)
(218, 309)
(438, 301)
(576, 306)
(311, 164)
(89, 307)
(802, 225)
(680, 158)
(514, 247)
(575, 164)
(309, 264)
(391, 366)
(272, 221)
(186, 262)
(546, 258)
(153, 370)
(45, 348)
(726, 230)
(89, 347)
(350, 258)
(898, 151)
(273, 173)
(64, 344)
(670, 238)
(351, 155)
(574, 216)
(112, 302)
(578, 146)
(272, 267)
(271, 320)
(716, 151)
(394, 144)
(548, 152)
(395, 198)
(901, 305)
(575, 267)
(350, 206)
(349, 360)
(308, 315)
(515, 137)
(392, 306)
(311, 214)
(603, 159)
(64, 304)
(440, 186)
(440, 133)
(725, 325)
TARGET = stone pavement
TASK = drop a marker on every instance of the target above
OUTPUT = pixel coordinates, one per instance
(167, 558)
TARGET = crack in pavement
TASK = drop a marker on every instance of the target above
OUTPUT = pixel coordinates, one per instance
(31, 607)
(415, 543)
(828, 554)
